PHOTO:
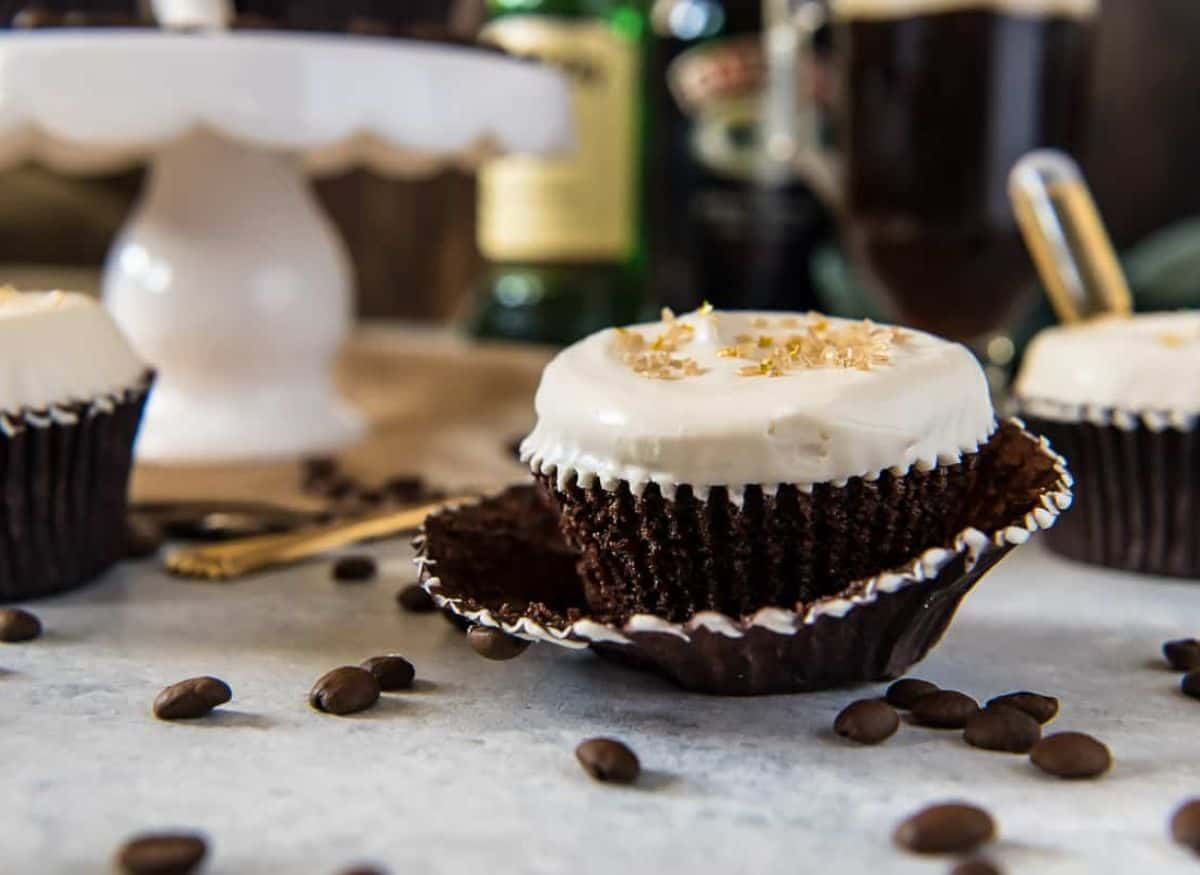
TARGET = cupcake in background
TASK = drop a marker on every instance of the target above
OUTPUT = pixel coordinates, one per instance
(71, 398)
(1120, 398)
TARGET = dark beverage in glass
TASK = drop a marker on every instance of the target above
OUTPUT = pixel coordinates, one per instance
(938, 101)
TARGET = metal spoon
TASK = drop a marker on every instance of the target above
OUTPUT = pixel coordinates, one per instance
(1067, 239)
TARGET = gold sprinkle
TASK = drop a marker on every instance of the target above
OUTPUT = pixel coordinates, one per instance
(760, 322)
(766, 342)
(705, 309)
(744, 338)
(789, 322)
(1171, 339)
(729, 352)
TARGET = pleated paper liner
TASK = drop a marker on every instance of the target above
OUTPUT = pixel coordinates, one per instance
(503, 563)
(64, 475)
(1138, 488)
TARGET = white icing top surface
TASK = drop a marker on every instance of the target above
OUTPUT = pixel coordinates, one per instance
(58, 347)
(1146, 363)
(892, 9)
(923, 402)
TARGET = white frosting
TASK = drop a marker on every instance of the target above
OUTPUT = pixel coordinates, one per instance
(193, 14)
(890, 9)
(1116, 369)
(56, 348)
(597, 419)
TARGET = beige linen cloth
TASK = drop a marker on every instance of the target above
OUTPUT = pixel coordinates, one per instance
(439, 406)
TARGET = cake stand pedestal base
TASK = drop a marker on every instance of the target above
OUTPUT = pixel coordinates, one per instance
(231, 281)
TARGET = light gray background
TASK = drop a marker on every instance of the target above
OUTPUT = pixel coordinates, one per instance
(475, 770)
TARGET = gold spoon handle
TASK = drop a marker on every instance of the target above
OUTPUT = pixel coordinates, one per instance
(240, 558)
(1067, 239)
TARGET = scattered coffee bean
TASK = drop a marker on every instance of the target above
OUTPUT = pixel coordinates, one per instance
(415, 600)
(393, 672)
(354, 569)
(1185, 825)
(345, 690)
(163, 854)
(904, 693)
(1190, 685)
(190, 699)
(1004, 729)
(17, 625)
(1183, 655)
(1041, 708)
(868, 721)
(976, 867)
(143, 537)
(945, 709)
(952, 828)
(495, 644)
(609, 760)
(318, 471)
(1071, 755)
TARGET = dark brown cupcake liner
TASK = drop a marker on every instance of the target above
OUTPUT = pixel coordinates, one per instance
(64, 476)
(1138, 488)
(502, 563)
(677, 558)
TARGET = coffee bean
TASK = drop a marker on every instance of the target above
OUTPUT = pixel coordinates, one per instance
(143, 537)
(607, 759)
(415, 600)
(998, 727)
(495, 644)
(354, 569)
(976, 867)
(1190, 685)
(190, 699)
(1185, 825)
(945, 709)
(17, 625)
(868, 721)
(162, 854)
(345, 690)
(318, 471)
(1041, 708)
(1183, 655)
(952, 828)
(1071, 755)
(904, 693)
(393, 672)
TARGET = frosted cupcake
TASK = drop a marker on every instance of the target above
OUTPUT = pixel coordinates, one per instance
(731, 461)
(71, 398)
(1120, 399)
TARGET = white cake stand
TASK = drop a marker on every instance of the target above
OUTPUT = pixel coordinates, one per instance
(228, 278)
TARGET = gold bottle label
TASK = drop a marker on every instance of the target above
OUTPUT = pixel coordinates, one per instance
(582, 207)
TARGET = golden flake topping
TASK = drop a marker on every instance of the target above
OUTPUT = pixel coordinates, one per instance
(657, 358)
(802, 343)
(1175, 340)
(856, 345)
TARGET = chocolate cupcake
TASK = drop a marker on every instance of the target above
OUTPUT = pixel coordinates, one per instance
(71, 398)
(734, 461)
(1119, 397)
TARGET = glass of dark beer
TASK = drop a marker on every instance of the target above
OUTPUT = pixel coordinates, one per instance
(936, 100)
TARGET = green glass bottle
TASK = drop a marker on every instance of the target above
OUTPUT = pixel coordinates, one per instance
(564, 237)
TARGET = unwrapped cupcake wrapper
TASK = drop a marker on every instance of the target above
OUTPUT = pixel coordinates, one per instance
(64, 475)
(502, 563)
(1138, 488)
